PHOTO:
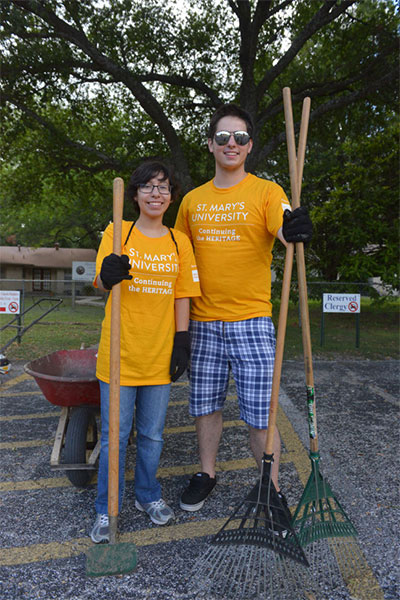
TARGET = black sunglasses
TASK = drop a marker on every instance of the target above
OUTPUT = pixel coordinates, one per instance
(241, 137)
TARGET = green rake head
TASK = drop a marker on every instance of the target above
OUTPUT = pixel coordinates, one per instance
(319, 514)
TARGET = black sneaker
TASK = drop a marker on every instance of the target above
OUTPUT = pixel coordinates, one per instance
(280, 517)
(194, 496)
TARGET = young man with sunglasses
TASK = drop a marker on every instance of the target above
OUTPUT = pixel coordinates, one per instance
(233, 221)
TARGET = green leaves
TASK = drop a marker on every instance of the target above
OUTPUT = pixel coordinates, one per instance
(90, 89)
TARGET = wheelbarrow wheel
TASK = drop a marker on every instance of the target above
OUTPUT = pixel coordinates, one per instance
(80, 439)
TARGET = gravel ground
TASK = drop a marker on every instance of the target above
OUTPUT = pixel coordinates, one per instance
(358, 412)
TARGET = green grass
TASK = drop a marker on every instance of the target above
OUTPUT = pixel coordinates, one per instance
(64, 328)
(68, 328)
(378, 332)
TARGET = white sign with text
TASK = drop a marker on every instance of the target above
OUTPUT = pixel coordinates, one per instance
(341, 303)
(10, 302)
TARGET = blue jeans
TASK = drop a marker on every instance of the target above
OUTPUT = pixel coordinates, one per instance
(151, 408)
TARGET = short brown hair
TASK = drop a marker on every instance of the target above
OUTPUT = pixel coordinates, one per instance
(230, 110)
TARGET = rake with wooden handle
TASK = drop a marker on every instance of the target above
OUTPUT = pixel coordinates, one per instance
(114, 558)
(248, 556)
(320, 522)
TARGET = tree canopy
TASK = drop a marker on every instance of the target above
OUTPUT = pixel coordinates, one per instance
(90, 89)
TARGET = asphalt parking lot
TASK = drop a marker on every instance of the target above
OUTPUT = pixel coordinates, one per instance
(45, 521)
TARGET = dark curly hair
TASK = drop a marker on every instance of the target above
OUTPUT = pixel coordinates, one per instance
(146, 171)
(230, 110)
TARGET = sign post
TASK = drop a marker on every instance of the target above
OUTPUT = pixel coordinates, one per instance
(341, 303)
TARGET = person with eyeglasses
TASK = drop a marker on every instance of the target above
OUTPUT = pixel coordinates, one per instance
(232, 222)
(158, 273)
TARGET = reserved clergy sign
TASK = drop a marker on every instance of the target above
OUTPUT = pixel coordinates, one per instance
(341, 303)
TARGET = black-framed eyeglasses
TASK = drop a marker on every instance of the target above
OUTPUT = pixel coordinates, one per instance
(147, 188)
(222, 137)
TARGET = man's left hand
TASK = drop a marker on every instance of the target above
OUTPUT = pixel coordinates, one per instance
(297, 225)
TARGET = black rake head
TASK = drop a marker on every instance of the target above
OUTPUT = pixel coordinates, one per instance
(262, 520)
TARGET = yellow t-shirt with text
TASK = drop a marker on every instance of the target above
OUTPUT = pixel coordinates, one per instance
(233, 231)
(159, 276)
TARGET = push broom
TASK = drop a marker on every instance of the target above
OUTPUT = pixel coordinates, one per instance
(321, 524)
(247, 557)
(113, 558)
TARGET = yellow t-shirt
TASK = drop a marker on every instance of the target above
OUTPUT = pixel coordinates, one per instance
(233, 231)
(159, 276)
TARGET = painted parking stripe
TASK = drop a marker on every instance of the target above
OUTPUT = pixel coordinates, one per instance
(19, 394)
(25, 377)
(47, 483)
(148, 537)
(14, 381)
(167, 431)
(29, 417)
(75, 547)
(362, 588)
(57, 412)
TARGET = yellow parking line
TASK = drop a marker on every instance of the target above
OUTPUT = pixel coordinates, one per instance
(364, 586)
(25, 444)
(28, 417)
(56, 413)
(167, 431)
(22, 393)
(145, 537)
(294, 446)
(47, 483)
(14, 381)
(295, 453)
(25, 377)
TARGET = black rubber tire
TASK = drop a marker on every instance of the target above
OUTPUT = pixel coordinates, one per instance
(81, 437)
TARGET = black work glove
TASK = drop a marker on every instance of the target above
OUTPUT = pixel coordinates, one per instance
(114, 269)
(297, 225)
(180, 354)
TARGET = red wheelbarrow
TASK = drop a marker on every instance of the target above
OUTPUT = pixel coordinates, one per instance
(67, 378)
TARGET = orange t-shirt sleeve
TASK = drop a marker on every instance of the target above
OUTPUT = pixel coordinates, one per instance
(276, 204)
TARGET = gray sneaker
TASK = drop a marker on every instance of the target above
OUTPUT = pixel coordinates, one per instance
(100, 532)
(159, 512)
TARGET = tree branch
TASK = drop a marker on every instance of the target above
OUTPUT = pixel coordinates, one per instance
(314, 90)
(326, 14)
(107, 161)
(142, 95)
(330, 106)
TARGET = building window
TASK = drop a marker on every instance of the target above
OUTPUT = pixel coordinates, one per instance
(41, 280)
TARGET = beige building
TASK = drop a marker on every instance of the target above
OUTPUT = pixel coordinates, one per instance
(40, 269)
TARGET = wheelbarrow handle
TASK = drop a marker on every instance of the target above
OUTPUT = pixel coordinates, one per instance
(115, 335)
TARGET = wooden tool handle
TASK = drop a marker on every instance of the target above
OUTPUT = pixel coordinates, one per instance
(296, 165)
(296, 174)
(280, 344)
(113, 448)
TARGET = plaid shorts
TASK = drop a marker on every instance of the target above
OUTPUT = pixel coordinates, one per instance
(248, 348)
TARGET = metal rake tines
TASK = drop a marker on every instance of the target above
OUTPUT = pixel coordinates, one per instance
(253, 523)
(251, 572)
